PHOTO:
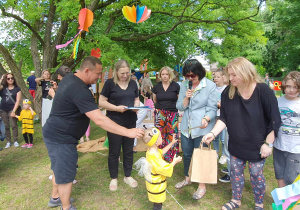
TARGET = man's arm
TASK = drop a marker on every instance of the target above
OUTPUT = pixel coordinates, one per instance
(107, 124)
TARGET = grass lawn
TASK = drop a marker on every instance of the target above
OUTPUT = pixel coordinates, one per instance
(25, 184)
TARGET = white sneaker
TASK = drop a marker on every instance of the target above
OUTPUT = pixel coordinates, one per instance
(16, 144)
(222, 160)
(7, 145)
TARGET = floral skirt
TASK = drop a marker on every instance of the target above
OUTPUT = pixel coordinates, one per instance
(167, 123)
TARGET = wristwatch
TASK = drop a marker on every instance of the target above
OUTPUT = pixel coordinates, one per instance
(269, 144)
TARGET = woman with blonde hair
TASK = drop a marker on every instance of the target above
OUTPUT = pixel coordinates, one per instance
(165, 95)
(249, 110)
(117, 94)
(46, 83)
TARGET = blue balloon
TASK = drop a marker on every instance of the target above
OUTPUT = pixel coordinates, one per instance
(139, 12)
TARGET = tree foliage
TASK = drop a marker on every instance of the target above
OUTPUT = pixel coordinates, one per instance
(168, 37)
(282, 30)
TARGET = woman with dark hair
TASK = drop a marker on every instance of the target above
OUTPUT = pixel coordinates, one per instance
(198, 99)
(250, 111)
(117, 94)
(165, 95)
(11, 95)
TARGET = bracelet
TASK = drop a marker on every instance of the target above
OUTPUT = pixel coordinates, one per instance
(13, 111)
(213, 134)
(205, 119)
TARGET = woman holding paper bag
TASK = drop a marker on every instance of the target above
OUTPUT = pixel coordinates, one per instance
(198, 99)
(117, 94)
(249, 110)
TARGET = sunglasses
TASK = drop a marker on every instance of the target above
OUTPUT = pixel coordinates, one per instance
(190, 76)
(10, 78)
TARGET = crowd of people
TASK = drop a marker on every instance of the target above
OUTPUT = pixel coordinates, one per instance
(236, 109)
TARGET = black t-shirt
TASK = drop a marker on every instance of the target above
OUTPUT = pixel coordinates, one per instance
(67, 121)
(166, 100)
(118, 96)
(7, 104)
(249, 121)
(45, 88)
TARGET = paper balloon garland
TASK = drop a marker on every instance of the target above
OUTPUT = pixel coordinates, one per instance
(85, 20)
(136, 14)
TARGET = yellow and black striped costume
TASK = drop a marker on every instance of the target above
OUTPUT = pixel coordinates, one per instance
(27, 121)
(160, 170)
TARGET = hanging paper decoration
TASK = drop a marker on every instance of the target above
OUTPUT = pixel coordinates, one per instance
(136, 14)
(96, 53)
(85, 20)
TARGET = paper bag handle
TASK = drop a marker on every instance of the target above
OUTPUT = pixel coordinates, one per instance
(201, 146)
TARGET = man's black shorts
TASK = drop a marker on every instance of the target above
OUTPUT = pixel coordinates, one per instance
(63, 159)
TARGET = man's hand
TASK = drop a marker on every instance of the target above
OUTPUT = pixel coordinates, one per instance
(136, 133)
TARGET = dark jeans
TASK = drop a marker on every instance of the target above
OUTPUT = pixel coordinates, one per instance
(26, 137)
(115, 144)
(188, 145)
(10, 122)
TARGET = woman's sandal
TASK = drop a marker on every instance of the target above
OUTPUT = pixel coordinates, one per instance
(199, 194)
(231, 205)
(113, 186)
(131, 182)
(258, 208)
(182, 184)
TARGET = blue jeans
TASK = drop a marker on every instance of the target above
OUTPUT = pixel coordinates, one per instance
(188, 145)
(215, 142)
(2, 129)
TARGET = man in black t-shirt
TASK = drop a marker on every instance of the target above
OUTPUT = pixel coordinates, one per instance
(73, 107)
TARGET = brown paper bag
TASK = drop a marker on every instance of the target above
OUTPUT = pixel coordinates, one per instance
(204, 165)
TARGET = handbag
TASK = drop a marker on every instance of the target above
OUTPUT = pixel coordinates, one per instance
(204, 165)
(19, 109)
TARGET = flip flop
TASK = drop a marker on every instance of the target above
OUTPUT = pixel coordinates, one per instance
(113, 186)
(131, 182)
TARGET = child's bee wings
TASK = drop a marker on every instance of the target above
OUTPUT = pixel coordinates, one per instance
(144, 168)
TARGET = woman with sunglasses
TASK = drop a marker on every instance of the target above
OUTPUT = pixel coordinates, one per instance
(198, 99)
(11, 95)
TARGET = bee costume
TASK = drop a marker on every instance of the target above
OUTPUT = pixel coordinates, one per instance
(155, 170)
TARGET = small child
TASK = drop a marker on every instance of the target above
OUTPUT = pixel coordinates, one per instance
(286, 150)
(154, 168)
(147, 94)
(26, 116)
(219, 80)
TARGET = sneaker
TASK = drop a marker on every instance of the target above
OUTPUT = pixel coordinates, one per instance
(222, 160)
(54, 203)
(225, 179)
(225, 171)
(7, 145)
(29, 146)
(16, 144)
(70, 208)
(24, 145)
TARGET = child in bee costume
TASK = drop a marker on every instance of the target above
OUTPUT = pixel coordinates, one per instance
(26, 116)
(154, 168)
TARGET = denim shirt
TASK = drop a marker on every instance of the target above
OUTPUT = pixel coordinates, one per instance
(202, 103)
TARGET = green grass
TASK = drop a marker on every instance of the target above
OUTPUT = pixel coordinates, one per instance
(25, 184)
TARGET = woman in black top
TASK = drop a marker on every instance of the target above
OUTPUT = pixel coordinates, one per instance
(117, 94)
(46, 83)
(249, 110)
(11, 96)
(165, 95)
